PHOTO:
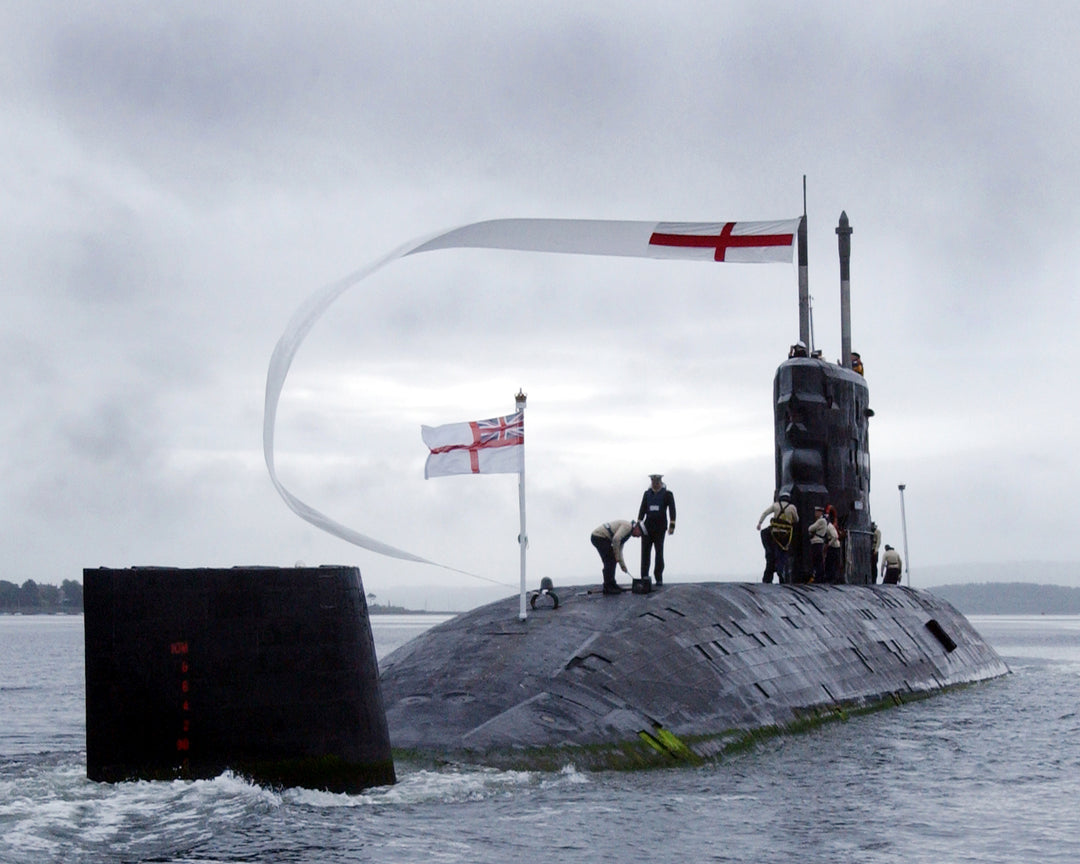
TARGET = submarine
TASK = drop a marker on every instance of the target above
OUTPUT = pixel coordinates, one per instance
(689, 671)
(272, 672)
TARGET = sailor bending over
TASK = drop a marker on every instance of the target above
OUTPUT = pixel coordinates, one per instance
(608, 540)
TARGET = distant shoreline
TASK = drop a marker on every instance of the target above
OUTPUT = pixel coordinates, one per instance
(1010, 598)
(55, 613)
(986, 598)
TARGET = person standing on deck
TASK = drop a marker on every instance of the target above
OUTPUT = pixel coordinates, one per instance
(834, 553)
(819, 540)
(891, 565)
(875, 545)
(783, 517)
(657, 507)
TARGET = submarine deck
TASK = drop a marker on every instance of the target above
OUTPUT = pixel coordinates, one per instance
(681, 672)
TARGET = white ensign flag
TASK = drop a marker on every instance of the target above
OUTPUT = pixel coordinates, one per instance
(495, 446)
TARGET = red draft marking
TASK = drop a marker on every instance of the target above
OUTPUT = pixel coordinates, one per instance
(183, 743)
(721, 242)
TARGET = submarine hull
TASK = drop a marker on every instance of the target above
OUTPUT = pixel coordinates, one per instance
(679, 674)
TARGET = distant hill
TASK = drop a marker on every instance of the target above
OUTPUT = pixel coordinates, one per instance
(1039, 572)
(427, 597)
(1011, 598)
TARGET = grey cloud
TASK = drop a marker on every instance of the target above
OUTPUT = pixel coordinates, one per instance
(179, 178)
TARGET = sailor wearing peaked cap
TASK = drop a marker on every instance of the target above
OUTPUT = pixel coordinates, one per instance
(657, 507)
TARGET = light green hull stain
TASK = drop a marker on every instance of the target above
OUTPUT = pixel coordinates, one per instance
(661, 748)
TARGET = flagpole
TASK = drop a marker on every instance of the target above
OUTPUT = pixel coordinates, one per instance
(903, 522)
(523, 539)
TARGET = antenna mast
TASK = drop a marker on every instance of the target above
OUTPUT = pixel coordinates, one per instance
(804, 276)
(843, 234)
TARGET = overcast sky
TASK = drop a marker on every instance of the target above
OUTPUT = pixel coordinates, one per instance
(178, 178)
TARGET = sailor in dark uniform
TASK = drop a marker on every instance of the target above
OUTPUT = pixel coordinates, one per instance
(657, 506)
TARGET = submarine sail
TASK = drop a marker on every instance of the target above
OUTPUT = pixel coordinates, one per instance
(821, 415)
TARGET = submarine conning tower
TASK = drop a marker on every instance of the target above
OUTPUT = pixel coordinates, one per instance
(821, 414)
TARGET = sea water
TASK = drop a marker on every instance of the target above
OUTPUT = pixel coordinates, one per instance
(989, 773)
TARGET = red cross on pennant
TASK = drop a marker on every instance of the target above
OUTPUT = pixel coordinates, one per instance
(720, 242)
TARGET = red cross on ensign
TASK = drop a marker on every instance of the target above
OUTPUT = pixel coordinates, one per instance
(720, 242)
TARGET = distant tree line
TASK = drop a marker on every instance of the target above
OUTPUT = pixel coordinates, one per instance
(1011, 598)
(31, 598)
(386, 609)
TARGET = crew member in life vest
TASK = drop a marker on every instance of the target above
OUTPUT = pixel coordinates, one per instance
(783, 517)
(609, 539)
(657, 507)
(890, 566)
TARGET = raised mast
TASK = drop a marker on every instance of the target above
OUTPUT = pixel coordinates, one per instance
(843, 234)
(804, 277)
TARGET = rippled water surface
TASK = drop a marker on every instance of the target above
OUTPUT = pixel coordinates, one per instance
(988, 774)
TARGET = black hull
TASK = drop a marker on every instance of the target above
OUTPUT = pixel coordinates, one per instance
(679, 674)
